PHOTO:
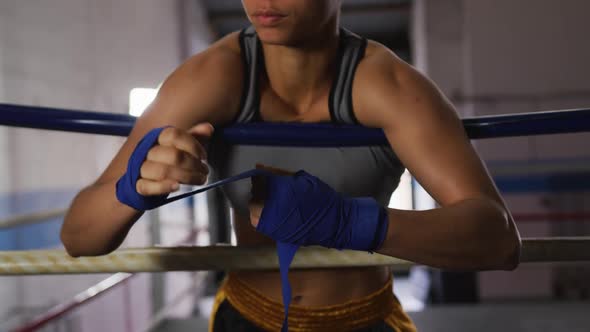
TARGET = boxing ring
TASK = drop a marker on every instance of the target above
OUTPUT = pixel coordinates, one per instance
(159, 259)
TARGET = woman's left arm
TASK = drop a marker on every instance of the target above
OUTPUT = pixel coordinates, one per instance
(473, 229)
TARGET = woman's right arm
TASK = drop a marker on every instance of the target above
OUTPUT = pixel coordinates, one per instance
(204, 91)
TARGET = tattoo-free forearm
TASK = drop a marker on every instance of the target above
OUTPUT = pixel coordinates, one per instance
(475, 234)
(97, 222)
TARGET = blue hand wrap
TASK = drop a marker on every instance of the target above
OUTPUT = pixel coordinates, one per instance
(301, 210)
(126, 188)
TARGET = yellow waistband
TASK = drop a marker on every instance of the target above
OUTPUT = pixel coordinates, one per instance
(268, 314)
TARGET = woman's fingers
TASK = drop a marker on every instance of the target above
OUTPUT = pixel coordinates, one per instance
(202, 131)
(174, 157)
(152, 188)
(255, 212)
(156, 171)
(182, 140)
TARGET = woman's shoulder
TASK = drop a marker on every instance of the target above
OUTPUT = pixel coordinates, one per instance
(229, 43)
(381, 65)
(378, 55)
(210, 81)
(224, 54)
(384, 83)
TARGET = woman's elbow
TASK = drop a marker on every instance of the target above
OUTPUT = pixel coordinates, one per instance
(510, 258)
(504, 247)
(509, 245)
(503, 254)
(77, 248)
(72, 247)
(69, 245)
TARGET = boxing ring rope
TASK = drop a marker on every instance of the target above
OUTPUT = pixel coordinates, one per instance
(222, 258)
(573, 249)
(523, 124)
(90, 294)
(31, 218)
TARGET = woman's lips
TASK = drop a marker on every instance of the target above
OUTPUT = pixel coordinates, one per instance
(268, 18)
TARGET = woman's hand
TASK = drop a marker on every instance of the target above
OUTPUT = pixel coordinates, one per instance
(176, 159)
(259, 192)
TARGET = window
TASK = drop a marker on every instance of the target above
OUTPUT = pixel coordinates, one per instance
(402, 196)
(140, 99)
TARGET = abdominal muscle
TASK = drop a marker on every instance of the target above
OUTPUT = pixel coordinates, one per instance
(315, 287)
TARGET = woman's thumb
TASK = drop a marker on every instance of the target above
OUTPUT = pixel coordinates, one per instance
(202, 130)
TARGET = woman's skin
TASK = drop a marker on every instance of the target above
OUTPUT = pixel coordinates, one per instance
(472, 229)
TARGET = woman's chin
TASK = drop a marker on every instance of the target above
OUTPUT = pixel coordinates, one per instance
(274, 36)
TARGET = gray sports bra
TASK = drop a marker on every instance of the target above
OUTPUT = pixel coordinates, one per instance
(354, 171)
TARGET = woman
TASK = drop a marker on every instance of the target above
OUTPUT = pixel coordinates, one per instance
(296, 65)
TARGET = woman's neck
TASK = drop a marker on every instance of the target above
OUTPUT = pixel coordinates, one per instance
(300, 75)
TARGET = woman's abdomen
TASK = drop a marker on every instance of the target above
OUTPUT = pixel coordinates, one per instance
(314, 287)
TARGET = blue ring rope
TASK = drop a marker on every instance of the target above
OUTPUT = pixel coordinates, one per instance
(297, 134)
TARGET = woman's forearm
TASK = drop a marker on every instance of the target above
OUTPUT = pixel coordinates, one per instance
(96, 222)
(475, 234)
